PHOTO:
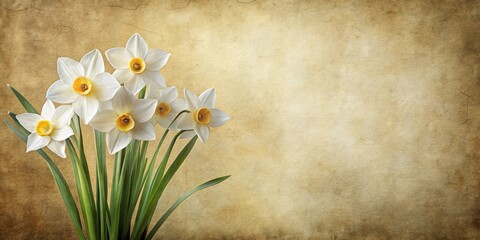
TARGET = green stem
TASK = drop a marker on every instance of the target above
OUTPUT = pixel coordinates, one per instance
(127, 178)
(81, 150)
(147, 180)
(159, 184)
(115, 194)
(102, 188)
(84, 193)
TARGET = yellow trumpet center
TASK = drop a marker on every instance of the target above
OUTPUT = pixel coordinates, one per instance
(163, 109)
(137, 65)
(202, 116)
(82, 85)
(125, 122)
(43, 128)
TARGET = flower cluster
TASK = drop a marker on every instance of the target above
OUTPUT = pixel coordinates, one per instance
(115, 103)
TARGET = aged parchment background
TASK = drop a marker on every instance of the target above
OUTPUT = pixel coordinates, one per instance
(350, 119)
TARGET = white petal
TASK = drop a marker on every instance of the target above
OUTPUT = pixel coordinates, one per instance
(192, 100)
(202, 131)
(62, 133)
(154, 119)
(153, 78)
(156, 59)
(137, 46)
(122, 101)
(178, 105)
(35, 142)
(143, 110)
(61, 92)
(135, 85)
(143, 131)
(107, 105)
(153, 92)
(104, 86)
(166, 121)
(218, 118)
(29, 120)
(117, 140)
(117, 58)
(168, 94)
(129, 55)
(186, 121)
(124, 75)
(69, 69)
(48, 109)
(86, 108)
(93, 64)
(207, 98)
(104, 121)
(187, 134)
(58, 147)
(62, 116)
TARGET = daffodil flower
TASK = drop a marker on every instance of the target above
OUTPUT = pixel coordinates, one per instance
(168, 106)
(83, 84)
(136, 65)
(48, 129)
(128, 119)
(202, 114)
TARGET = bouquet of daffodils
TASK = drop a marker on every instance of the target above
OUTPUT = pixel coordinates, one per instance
(123, 109)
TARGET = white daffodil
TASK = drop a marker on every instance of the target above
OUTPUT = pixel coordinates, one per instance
(48, 129)
(128, 119)
(83, 84)
(168, 106)
(136, 65)
(202, 114)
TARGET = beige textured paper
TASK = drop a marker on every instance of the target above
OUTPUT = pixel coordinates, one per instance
(350, 119)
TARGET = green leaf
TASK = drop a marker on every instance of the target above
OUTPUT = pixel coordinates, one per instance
(141, 94)
(127, 182)
(23, 100)
(180, 200)
(102, 188)
(60, 182)
(137, 178)
(160, 184)
(147, 181)
(177, 163)
(85, 194)
(115, 196)
(79, 137)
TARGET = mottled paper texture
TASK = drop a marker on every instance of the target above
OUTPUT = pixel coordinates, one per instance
(350, 119)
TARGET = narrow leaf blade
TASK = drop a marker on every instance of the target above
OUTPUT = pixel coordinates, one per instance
(60, 182)
(25, 103)
(180, 200)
